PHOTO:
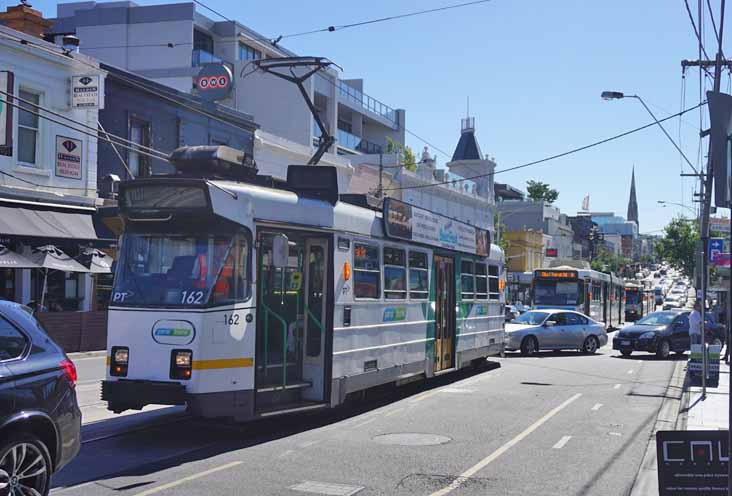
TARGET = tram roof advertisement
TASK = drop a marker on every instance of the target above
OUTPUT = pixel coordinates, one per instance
(405, 221)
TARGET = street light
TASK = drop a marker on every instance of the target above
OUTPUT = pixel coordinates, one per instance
(664, 203)
(617, 95)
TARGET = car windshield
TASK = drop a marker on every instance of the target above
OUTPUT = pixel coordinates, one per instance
(181, 269)
(632, 297)
(557, 292)
(657, 319)
(531, 318)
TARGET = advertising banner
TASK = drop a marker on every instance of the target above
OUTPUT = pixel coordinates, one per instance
(692, 462)
(405, 221)
(719, 252)
(68, 157)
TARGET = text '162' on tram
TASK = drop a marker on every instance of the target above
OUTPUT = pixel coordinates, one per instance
(243, 296)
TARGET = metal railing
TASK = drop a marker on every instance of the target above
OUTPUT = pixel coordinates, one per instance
(357, 97)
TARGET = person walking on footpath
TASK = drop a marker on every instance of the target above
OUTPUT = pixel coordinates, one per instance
(695, 331)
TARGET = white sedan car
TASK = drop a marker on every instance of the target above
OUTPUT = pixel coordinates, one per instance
(554, 330)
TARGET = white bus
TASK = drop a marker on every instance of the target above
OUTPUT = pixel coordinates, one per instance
(598, 295)
(247, 298)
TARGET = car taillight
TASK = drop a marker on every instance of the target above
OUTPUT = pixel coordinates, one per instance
(119, 361)
(69, 371)
(181, 364)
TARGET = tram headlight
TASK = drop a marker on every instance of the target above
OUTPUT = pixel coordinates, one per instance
(181, 364)
(119, 362)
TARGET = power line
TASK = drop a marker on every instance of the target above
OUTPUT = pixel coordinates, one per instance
(553, 157)
(383, 19)
(146, 45)
(696, 31)
(41, 185)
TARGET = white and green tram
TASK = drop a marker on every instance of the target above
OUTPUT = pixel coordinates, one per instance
(243, 297)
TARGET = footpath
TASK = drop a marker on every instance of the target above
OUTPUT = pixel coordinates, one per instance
(684, 409)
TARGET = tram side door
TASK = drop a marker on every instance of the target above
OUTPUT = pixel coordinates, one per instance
(444, 268)
(315, 318)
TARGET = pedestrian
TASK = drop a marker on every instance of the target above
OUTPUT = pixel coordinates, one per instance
(695, 331)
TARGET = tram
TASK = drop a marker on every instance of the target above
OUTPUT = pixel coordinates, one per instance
(638, 301)
(598, 295)
(242, 296)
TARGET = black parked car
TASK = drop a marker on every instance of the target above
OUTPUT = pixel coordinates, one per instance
(663, 332)
(40, 420)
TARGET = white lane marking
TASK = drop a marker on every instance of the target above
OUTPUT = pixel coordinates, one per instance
(596, 407)
(617, 386)
(285, 453)
(74, 488)
(425, 396)
(493, 456)
(326, 488)
(614, 434)
(560, 444)
(630, 371)
(365, 422)
(188, 479)
(307, 444)
(393, 412)
(456, 390)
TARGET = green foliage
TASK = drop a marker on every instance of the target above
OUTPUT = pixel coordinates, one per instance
(609, 262)
(406, 154)
(678, 245)
(538, 191)
(500, 229)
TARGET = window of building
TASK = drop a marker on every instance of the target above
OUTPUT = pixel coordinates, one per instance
(467, 279)
(366, 271)
(481, 282)
(28, 128)
(12, 341)
(248, 53)
(494, 292)
(202, 41)
(64, 290)
(418, 276)
(395, 274)
(139, 163)
(7, 284)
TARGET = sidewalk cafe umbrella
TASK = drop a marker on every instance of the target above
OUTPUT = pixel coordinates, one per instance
(95, 260)
(50, 257)
(11, 260)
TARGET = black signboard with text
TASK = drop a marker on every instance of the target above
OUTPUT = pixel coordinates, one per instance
(692, 462)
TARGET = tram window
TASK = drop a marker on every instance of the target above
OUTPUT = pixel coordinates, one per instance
(467, 279)
(231, 283)
(418, 276)
(481, 282)
(395, 274)
(493, 286)
(366, 271)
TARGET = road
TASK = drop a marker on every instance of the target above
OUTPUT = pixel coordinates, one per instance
(559, 423)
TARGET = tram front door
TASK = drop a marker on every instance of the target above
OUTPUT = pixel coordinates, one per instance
(292, 288)
(444, 268)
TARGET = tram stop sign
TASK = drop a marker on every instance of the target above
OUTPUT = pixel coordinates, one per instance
(214, 82)
(692, 462)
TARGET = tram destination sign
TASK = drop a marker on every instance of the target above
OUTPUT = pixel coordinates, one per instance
(405, 221)
(556, 275)
(692, 462)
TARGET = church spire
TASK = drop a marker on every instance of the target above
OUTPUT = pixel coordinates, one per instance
(633, 201)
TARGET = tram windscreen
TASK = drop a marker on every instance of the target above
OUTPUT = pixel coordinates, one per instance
(182, 270)
(548, 292)
(632, 297)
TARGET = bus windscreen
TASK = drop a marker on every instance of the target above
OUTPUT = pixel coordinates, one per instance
(557, 292)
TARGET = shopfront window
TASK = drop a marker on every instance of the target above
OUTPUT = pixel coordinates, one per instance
(64, 290)
(182, 270)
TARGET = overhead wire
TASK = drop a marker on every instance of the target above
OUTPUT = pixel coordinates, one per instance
(144, 45)
(552, 157)
(382, 19)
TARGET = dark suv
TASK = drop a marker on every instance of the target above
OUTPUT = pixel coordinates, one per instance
(40, 420)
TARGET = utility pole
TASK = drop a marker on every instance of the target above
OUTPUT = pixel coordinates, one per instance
(380, 191)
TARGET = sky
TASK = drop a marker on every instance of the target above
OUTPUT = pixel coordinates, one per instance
(533, 71)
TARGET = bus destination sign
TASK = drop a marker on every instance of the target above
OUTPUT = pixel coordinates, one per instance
(556, 275)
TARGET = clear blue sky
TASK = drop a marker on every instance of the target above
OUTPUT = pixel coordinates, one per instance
(534, 71)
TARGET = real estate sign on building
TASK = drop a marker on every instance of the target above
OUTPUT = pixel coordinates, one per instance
(85, 92)
(68, 157)
(405, 221)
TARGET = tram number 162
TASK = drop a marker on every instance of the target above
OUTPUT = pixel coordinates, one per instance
(231, 319)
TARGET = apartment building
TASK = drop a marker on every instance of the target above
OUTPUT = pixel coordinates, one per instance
(171, 43)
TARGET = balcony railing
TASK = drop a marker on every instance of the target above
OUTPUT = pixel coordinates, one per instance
(350, 141)
(202, 57)
(368, 103)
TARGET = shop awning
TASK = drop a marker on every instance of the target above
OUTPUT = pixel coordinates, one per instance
(51, 224)
(11, 260)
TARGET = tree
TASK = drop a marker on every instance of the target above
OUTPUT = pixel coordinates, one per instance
(609, 262)
(406, 154)
(539, 191)
(500, 229)
(679, 243)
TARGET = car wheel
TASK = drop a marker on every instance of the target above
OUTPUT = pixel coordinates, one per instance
(590, 345)
(626, 353)
(664, 349)
(529, 346)
(25, 466)
(716, 342)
